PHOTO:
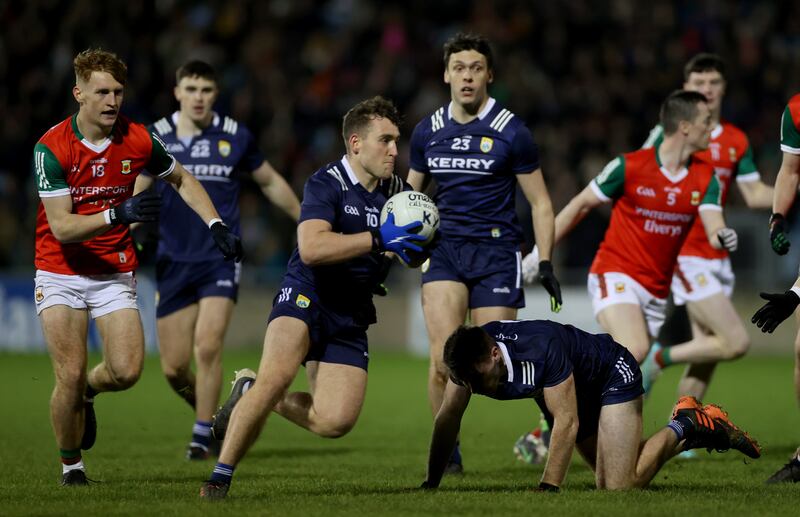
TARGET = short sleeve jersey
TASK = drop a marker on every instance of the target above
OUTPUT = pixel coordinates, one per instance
(790, 126)
(475, 167)
(652, 214)
(730, 154)
(217, 157)
(96, 177)
(333, 194)
(541, 354)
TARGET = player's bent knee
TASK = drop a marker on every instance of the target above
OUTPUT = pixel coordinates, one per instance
(208, 352)
(737, 346)
(125, 377)
(335, 428)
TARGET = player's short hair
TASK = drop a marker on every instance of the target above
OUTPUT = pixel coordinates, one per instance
(679, 105)
(704, 62)
(464, 349)
(359, 116)
(99, 60)
(196, 68)
(468, 41)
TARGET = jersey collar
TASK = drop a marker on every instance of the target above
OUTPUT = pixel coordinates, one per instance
(674, 178)
(350, 173)
(507, 360)
(98, 148)
(716, 131)
(482, 115)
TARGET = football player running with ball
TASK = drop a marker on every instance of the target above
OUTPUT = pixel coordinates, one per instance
(321, 314)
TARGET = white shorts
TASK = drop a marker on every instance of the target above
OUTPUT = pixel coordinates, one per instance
(696, 278)
(100, 294)
(608, 289)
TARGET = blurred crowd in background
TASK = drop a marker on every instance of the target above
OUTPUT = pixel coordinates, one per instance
(588, 76)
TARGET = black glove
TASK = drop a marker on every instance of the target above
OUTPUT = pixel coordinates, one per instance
(549, 282)
(145, 241)
(228, 243)
(778, 308)
(777, 234)
(143, 207)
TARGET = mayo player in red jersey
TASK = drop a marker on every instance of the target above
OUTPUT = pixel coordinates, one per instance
(85, 170)
(703, 279)
(781, 306)
(657, 194)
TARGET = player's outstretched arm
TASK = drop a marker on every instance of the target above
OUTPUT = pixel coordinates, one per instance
(719, 235)
(779, 306)
(563, 405)
(193, 193)
(445, 431)
(277, 190)
(785, 191)
(756, 194)
(574, 212)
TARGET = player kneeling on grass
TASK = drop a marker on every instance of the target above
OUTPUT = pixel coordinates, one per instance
(590, 389)
(321, 314)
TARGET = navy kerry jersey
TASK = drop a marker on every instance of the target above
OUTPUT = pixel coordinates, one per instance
(217, 157)
(541, 353)
(333, 194)
(475, 167)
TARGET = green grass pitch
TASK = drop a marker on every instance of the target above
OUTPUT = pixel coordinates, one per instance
(374, 470)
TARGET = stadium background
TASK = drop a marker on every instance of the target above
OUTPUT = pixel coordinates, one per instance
(587, 76)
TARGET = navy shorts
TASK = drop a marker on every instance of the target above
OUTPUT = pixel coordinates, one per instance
(622, 384)
(335, 338)
(181, 284)
(491, 271)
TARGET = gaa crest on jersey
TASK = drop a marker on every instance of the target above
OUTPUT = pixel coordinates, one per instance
(695, 197)
(302, 301)
(486, 144)
(126, 166)
(224, 148)
(732, 154)
(496, 233)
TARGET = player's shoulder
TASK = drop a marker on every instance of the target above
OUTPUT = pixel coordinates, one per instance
(501, 119)
(638, 158)
(131, 134)
(433, 122)
(794, 104)
(164, 127)
(230, 126)
(58, 135)
(333, 175)
(733, 134)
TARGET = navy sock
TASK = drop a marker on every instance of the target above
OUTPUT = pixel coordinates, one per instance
(682, 426)
(201, 434)
(456, 456)
(222, 473)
